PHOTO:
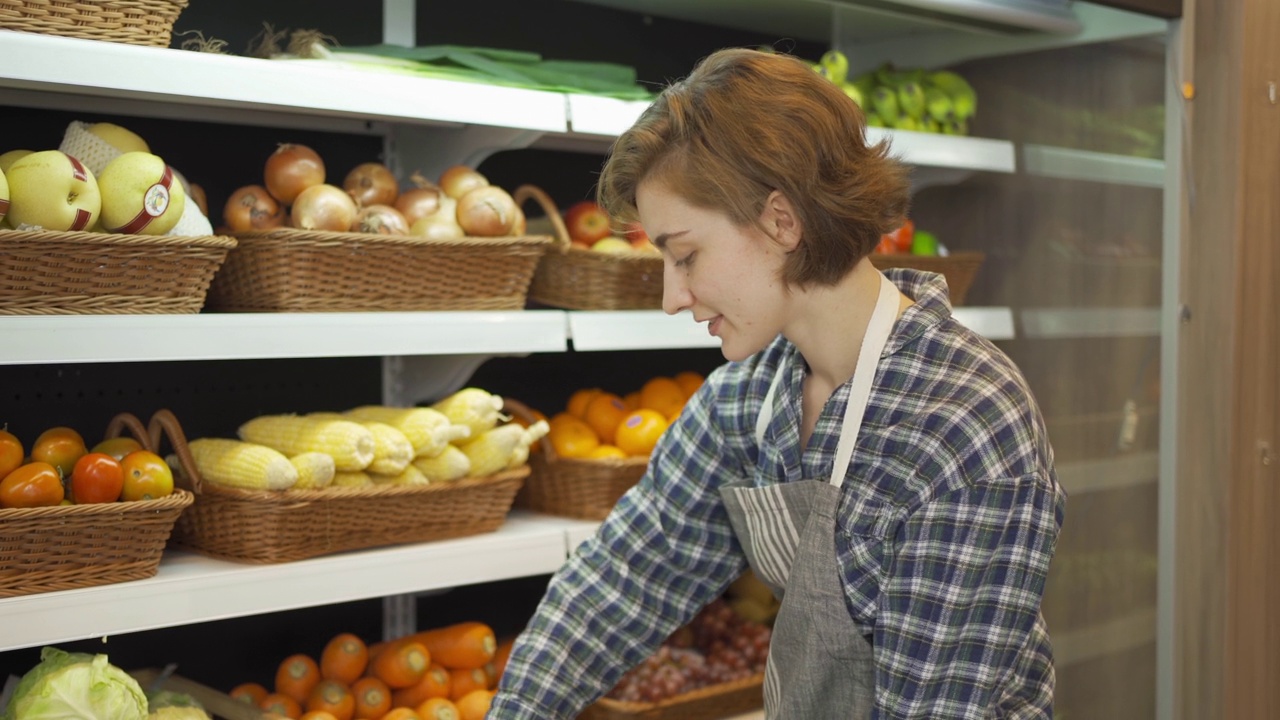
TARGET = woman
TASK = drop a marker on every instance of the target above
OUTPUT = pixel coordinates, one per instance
(885, 470)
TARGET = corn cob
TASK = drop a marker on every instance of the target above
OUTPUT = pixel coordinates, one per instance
(473, 408)
(533, 434)
(354, 478)
(493, 450)
(409, 476)
(428, 431)
(451, 464)
(350, 444)
(391, 448)
(244, 465)
(315, 470)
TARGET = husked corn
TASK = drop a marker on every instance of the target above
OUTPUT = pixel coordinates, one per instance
(472, 407)
(409, 476)
(427, 430)
(450, 464)
(355, 478)
(240, 464)
(494, 450)
(315, 470)
(350, 444)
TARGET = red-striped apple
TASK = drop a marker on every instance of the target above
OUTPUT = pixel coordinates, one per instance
(141, 195)
(54, 191)
(587, 222)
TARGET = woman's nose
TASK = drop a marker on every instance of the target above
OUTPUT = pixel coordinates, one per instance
(675, 292)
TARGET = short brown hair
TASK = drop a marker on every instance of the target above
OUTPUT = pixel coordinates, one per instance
(745, 123)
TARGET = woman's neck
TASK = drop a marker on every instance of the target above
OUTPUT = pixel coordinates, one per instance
(829, 323)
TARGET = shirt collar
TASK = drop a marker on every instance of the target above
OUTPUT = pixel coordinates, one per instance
(932, 305)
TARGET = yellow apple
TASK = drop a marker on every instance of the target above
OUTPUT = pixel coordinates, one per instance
(612, 245)
(53, 190)
(119, 138)
(11, 157)
(140, 195)
(4, 196)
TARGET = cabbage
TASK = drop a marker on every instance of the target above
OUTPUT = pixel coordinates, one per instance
(76, 686)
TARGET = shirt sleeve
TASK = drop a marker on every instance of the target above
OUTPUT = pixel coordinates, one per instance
(665, 551)
(960, 603)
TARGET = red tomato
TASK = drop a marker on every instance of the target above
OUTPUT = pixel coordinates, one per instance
(886, 246)
(11, 453)
(36, 484)
(61, 447)
(903, 236)
(146, 476)
(96, 478)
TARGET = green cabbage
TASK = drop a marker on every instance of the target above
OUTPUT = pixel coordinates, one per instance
(76, 686)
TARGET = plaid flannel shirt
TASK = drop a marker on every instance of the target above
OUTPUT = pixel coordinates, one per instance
(949, 517)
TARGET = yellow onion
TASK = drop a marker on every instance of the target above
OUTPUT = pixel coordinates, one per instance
(252, 208)
(487, 211)
(323, 207)
(291, 169)
(380, 220)
(371, 183)
(460, 180)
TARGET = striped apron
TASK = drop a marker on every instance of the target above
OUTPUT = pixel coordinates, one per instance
(820, 664)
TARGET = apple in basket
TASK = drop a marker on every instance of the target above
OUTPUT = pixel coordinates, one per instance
(586, 222)
(54, 191)
(141, 195)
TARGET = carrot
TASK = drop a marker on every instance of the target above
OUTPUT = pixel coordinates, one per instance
(463, 681)
(464, 645)
(435, 683)
(502, 654)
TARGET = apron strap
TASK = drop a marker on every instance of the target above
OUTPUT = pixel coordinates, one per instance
(873, 342)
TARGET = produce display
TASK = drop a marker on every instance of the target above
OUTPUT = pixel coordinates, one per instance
(60, 469)
(444, 673)
(591, 228)
(939, 101)
(910, 241)
(297, 192)
(463, 435)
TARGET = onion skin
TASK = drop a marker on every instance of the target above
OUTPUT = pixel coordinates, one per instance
(252, 208)
(371, 184)
(441, 226)
(420, 202)
(291, 169)
(380, 220)
(487, 212)
(325, 208)
(459, 180)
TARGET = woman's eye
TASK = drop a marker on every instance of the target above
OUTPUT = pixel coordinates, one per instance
(685, 261)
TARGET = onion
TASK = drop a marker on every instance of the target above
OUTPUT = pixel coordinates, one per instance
(442, 225)
(323, 207)
(419, 202)
(252, 208)
(521, 225)
(380, 220)
(487, 212)
(371, 184)
(292, 169)
(460, 180)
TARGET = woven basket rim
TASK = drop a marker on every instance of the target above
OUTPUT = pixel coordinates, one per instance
(294, 496)
(96, 238)
(179, 498)
(699, 694)
(302, 237)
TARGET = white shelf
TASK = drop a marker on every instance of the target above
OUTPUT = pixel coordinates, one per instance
(1108, 638)
(30, 61)
(1088, 476)
(953, 152)
(1089, 322)
(191, 588)
(993, 323)
(1069, 164)
(128, 338)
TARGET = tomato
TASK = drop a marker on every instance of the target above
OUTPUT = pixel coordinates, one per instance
(117, 447)
(146, 476)
(886, 246)
(36, 484)
(96, 478)
(904, 236)
(61, 447)
(11, 453)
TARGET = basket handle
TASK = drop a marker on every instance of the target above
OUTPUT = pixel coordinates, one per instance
(522, 411)
(129, 421)
(524, 193)
(165, 424)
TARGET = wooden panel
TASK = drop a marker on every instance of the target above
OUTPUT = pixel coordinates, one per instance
(1253, 660)
(1159, 8)
(1210, 227)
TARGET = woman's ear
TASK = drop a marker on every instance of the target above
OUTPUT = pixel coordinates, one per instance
(781, 221)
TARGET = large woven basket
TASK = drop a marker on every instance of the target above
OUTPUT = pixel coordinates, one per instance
(708, 703)
(58, 273)
(288, 270)
(958, 268)
(574, 487)
(76, 546)
(135, 22)
(576, 278)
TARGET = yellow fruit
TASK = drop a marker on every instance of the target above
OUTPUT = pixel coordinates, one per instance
(604, 412)
(632, 400)
(662, 394)
(604, 452)
(577, 405)
(640, 431)
(571, 437)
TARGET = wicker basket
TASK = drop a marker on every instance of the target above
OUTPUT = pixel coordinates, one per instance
(135, 22)
(709, 703)
(958, 268)
(76, 546)
(72, 273)
(288, 270)
(574, 487)
(576, 278)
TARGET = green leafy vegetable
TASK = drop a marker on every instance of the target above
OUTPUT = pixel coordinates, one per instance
(76, 685)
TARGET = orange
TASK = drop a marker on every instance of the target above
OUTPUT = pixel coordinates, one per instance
(373, 697)
(604, 452)
(296, 676)
(571, 437)
(332, 697)
(604, 411)
(632, 400)
(438, 708)
(577, 404)
(344, 658)
(475, 704)
(640, 431)
(689, 381)
(662, 394)
(280, 704)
